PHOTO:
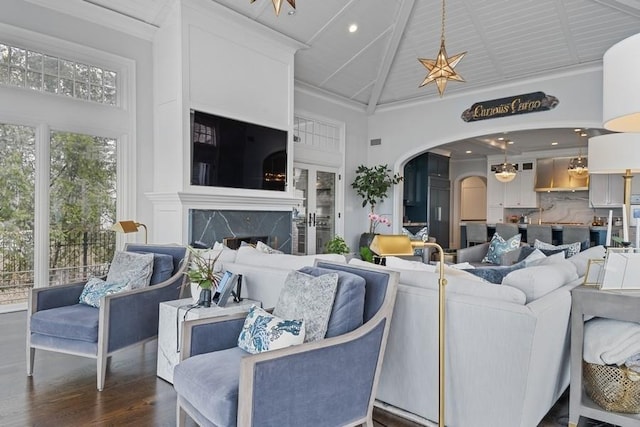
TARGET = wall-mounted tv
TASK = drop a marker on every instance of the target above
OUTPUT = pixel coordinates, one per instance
(231, 153)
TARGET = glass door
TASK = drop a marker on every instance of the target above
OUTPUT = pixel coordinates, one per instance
(314, 223)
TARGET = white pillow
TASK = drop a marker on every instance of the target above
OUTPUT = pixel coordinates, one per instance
(263, 331)
(263, 247)
(534, 257)
(395, 262)
(132, 268)
(581, 260)
(539, 280)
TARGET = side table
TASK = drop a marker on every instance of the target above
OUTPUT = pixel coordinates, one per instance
(172, 314)
(590, 301)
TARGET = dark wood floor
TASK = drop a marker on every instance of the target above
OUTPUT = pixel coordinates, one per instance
(62, 391)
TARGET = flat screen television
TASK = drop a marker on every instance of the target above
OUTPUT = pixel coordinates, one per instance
(231, 153)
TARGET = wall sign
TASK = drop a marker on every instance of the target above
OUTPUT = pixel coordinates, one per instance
(503, 107)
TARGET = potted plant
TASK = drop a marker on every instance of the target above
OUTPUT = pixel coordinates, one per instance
(373, 184)
(337, 245)
(202, 275)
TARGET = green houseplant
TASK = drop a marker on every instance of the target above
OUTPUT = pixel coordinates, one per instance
(373, 184)
(202, 273)
(337, 245)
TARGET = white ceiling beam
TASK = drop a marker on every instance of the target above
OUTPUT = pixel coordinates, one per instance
(387, 61)
(568, 37)
(494, 59)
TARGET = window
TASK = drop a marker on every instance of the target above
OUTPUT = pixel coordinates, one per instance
(46, 73)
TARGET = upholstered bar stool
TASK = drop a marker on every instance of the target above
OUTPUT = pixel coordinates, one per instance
(476, 233)
(507, 230)
(540, 232)
(576, 233)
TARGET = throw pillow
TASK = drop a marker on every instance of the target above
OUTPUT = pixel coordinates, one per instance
(526, 251)
(539, 280)
(495, 274)
(308, 298)
(572, 248)
(263, 332)
(405, 264)
(499, 246)
(162, 267)
(96, 288)
(418, 236)
(262, 247)
(132, 268)
(581, 260)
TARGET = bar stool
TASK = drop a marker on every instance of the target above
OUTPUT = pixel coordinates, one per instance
(476, 233)
(539, 232)
(507, 231)
(576, 233)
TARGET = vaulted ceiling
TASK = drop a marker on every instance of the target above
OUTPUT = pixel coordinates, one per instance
(377, 65)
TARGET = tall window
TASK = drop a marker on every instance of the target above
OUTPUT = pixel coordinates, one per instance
(59, 176)
(17, 174)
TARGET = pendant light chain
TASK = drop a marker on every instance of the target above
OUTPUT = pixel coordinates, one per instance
(443, 16)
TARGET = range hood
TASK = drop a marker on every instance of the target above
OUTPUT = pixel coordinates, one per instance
(552, 175)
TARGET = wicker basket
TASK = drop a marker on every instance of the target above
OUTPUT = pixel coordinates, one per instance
(614, 388)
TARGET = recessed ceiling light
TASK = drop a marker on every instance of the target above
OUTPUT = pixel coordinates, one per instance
(468, 151)
(353, 28)
(501, 138)
(291, 12)
(510, 142)
(554, 143)
(577, 130)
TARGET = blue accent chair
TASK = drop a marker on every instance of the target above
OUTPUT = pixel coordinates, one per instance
(326, 383)
(57, 322)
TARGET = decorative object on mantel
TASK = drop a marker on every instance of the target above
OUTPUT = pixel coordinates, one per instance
(277, 4)
(505, 172)
(621, 86)
(129, 226)
(510, 106)
(578, 166)
(441, 69)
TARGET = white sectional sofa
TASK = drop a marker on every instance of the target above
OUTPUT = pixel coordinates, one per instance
(507, 346)
(507, 355)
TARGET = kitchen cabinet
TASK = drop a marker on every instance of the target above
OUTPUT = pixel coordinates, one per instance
(438, 165)
(520, 192)
(606, 190)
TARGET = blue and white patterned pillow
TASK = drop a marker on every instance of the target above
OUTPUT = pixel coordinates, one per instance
(499, 246)
(424, 231)
(132, 268)
(96, 288)
(570, 248)
(263, 331)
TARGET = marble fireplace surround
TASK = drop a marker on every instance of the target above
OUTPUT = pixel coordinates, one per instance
(208, 226)
(206, 218)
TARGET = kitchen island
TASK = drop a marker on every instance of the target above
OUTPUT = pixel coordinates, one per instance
(598, 234)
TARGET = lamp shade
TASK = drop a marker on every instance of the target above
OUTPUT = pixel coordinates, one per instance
(391, 245)
(621, 86)
(614, 153)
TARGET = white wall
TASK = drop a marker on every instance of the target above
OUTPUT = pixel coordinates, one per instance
(356, 142)
(409, 129)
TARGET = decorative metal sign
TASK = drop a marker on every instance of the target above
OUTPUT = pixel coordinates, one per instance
(503, 107)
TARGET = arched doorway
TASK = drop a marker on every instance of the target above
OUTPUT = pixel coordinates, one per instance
(473, 199)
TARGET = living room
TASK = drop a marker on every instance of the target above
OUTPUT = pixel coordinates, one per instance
(204, 56)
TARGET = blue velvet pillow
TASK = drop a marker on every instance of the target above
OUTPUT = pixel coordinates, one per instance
(348, 307)
(495, 274)
(499, 246)
(162, 267)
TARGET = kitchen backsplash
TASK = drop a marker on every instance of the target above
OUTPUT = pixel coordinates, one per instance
(564, 207)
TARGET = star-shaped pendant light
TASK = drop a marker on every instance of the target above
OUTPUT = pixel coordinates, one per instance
(277, 4)
(441, 69)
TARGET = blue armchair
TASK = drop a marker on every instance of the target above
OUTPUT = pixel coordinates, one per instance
(57, 322)
(330, 382)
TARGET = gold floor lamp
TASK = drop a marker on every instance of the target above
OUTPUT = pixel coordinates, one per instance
(129, 226)
(400, 245)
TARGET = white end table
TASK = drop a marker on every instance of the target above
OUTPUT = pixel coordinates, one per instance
(172, 314)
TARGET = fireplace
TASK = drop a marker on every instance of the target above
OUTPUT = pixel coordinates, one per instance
(207, 226)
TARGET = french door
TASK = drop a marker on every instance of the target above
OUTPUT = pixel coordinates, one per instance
(314, 222)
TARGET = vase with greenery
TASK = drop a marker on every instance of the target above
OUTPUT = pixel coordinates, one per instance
(373, 184)
(337, 245)
(202, 273)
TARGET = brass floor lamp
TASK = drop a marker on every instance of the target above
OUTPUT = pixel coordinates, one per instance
(400, 245)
